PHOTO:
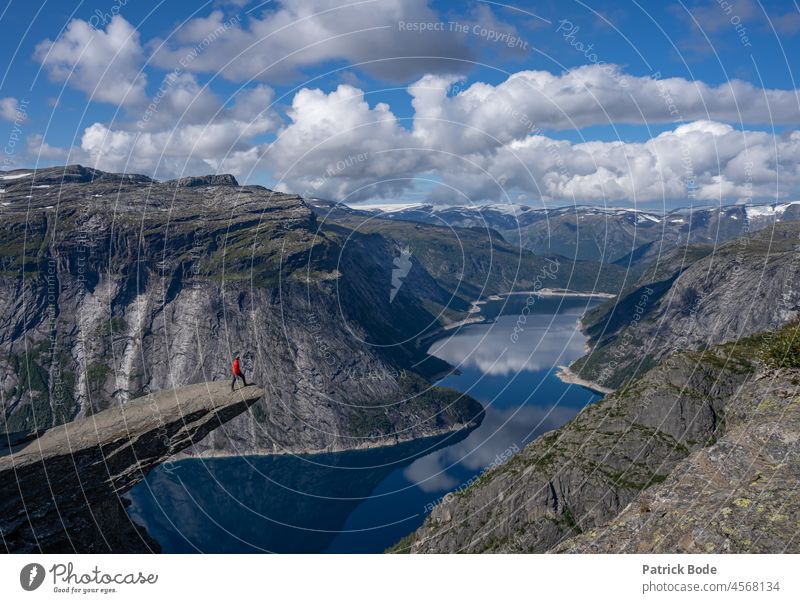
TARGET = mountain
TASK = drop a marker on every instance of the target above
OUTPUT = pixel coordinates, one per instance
(697, 455)
(694, 297)
(627, 237)
(113, 286)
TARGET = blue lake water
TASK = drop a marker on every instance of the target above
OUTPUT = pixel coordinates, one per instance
(365, 501)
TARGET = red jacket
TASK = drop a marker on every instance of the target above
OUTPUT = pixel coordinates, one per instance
(236, 370)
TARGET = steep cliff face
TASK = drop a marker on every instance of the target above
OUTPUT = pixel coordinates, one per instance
(113, 286)
(693, 298)
(698, 455)
(60, 492)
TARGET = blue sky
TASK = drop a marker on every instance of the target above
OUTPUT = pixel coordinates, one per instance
(605, 102)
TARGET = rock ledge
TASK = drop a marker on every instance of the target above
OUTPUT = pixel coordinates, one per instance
(61, 491)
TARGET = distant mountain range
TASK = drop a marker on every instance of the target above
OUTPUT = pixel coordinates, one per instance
(626, 237)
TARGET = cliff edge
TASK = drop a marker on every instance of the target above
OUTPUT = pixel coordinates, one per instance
(60, 492)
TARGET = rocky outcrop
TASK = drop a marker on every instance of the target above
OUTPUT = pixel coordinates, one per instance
(59, 176)
(60, 492)
(737, 496)
(694, 298)
(211, 180)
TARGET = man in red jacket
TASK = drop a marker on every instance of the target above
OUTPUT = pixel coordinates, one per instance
(237, 372)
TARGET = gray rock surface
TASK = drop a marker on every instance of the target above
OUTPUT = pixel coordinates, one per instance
(739, 495)
(61, 491)
(211, 180)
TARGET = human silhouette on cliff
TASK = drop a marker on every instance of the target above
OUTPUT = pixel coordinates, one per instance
(237, 372)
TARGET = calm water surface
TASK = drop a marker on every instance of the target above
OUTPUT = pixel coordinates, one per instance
(365, 501)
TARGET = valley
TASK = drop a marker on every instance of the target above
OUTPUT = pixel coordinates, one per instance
(482, 389)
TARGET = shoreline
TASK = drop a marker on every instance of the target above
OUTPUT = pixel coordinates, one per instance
(567, 376)
(475, 315)
(546, 292)
(368, 445)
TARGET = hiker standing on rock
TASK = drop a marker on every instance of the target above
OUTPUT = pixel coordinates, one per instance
(237, 372)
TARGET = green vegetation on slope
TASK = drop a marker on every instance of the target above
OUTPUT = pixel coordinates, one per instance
(782, 349)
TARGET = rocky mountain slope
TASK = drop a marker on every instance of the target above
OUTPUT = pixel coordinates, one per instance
(694, 297)
(60, 492)
(737, 496)
(699, 454)
(113, 286)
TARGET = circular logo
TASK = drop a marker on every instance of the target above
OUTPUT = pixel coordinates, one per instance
(31, 576)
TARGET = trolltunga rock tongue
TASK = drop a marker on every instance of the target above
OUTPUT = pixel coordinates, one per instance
(60, 492)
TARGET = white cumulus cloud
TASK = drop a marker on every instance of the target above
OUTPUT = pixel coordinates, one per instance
(106, 65)
(10, 109)
(481, 147)
(337, 145)
(181, 136)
